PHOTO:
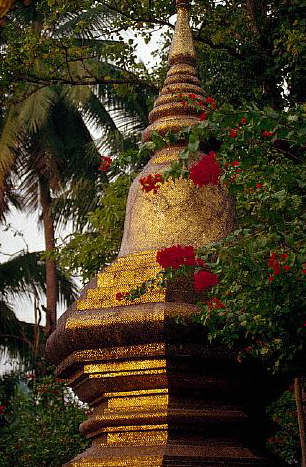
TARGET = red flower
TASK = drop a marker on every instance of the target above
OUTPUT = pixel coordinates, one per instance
(286, 268)
(150, 182)
(206, 171)
(243, 121)
(2, 409)
(284, 256)
(200, 262)
(272, 259)
(203, 116)
(215, 303)
(121, 295)
(259, 185)
(271, 278)
(204, 280)
(192, 96)
(176, 256)
(266, 133)
(105, 163)
(303, 271)
(235, 163)
(274, 264)
(233, 133)
(211, 101)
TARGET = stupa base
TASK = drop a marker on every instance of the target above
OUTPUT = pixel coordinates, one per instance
(173, 401)
(176, 455)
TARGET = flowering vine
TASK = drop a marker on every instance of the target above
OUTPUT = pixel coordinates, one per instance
(256, 156)
(176, 260)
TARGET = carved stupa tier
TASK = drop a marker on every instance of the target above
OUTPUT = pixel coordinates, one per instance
(159, 395)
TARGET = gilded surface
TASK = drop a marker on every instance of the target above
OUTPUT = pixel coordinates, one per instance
(180, 213)
(122, 275)
(126, 461)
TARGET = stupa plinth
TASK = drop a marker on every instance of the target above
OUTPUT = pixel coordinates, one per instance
(158, 394)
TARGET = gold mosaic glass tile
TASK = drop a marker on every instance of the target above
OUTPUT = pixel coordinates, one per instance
(122, 275)
(126, 461)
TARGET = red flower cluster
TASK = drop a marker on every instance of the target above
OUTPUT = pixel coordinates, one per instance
(105, 163)
(150, 182)
(121, 295)
(204, 280)
(274, 263)
(178, 255)
(233, 132)
(215, 303)
(198, 103)
(266, 133)
(209, 100)
(206, 171)
(243, 121)
(235, 165)
(2, 409)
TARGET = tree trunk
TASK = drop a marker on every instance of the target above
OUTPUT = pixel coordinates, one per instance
(301, 418)
(51, 279)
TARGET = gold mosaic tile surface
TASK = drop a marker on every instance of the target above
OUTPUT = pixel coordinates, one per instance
(131, 461)
(122, 275)
(180, 213)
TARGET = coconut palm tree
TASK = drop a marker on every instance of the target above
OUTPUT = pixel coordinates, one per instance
(24, 274)
(46, 148)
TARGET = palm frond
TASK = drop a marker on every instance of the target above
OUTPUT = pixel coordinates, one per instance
(81, 197)
(22, 274)
(93, 21)
(8, 130)
(67, 289)
(33, 112)
(25, 273)
(16, 337)
(99, 118)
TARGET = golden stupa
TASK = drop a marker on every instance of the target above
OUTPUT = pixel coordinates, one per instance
(158, 394)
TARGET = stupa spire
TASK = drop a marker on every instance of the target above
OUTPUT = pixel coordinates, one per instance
(182, 48)
(170, 112)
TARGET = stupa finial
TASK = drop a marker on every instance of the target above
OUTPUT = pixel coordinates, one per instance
(171, 113)
(182, 49)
